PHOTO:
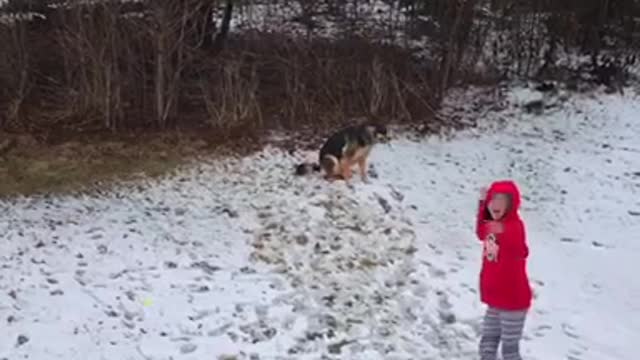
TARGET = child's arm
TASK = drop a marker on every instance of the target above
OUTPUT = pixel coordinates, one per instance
(512, 241)
(480, 228)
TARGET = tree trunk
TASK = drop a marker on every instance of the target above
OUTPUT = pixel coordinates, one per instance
(448, 57)
(221, 37)
(160, 79)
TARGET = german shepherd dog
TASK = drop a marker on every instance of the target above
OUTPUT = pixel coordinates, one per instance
(345, 148)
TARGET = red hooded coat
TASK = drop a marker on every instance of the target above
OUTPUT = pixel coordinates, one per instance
(504, 283)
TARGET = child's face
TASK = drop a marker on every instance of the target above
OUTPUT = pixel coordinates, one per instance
(498, 206)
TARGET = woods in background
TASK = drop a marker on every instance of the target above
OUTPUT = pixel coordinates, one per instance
(115, 65)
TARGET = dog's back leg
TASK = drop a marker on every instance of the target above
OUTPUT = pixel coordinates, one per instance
(345, 169)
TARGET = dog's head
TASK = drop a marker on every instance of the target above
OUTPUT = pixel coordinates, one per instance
(379, 131)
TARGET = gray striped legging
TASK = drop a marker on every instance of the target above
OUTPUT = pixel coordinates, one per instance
(501, 326)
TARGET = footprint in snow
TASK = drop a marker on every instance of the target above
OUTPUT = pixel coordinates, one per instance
(569, 240)
(575, 354)
(599, 245)
(569, 330)
(435, 249)
(188, 348)
(446, 315)
(538, 282)
(541, 330)
(437, 272)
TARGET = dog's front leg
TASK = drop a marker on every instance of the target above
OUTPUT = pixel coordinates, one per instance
(362, 166)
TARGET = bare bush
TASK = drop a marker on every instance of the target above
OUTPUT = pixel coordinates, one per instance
(272, 81)
(15, 80)
(231, 97)
(113, 65)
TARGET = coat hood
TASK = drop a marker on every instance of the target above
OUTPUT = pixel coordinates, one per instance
(506, 187)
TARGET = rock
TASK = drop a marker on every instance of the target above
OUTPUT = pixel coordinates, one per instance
(247, 270)
(447, 317)
(269, 333)
(329, 300)
(384, 203)
(411, 250)
(331, 321)
(22, 339)
(302, 239)
(384, 331)
(312, 336)
(535, 106)
(202, 289)
(231, 213)
(545, 86)
(337, 347)
(372, 173)
(206, 267)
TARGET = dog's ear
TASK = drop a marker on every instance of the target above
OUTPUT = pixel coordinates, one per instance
(380, 131)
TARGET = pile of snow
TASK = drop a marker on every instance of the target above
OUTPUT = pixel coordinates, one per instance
(239, 259)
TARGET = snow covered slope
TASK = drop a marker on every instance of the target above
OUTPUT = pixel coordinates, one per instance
(238, 258)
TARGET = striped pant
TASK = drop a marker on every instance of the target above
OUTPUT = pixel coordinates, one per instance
(500, 326)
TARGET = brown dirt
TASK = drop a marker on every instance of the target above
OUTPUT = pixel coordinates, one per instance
(74, 163)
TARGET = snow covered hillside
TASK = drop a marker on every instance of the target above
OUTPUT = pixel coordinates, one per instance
(239, 259)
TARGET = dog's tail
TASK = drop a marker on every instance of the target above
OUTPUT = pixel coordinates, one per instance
(307, 168)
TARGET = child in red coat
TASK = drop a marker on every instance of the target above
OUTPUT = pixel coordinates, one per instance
(504, 283)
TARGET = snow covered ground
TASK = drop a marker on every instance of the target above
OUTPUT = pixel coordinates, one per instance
(238, 259)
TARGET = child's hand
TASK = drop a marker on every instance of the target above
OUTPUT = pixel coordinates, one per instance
(491, 249)
(483, 192)
(495, 227)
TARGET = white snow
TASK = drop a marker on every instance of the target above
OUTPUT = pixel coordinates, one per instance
(319, 18)
(238, 257)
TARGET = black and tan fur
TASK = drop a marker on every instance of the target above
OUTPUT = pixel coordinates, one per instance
(344, 149)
